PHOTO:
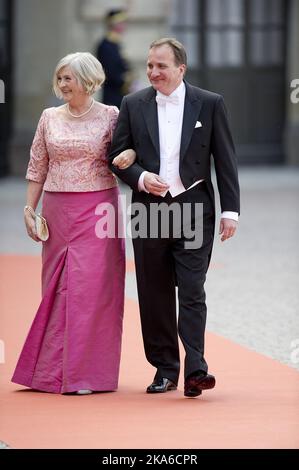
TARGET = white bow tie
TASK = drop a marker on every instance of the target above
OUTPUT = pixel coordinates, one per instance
(162, 100)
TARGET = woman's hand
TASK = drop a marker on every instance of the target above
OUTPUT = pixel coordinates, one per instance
(30, 226)
(124, 159)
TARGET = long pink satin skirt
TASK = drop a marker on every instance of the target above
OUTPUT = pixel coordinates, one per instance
(75, 340)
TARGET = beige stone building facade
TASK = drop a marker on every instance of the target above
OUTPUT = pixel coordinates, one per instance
(245, 49)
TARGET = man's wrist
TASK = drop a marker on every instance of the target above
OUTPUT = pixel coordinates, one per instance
(230, 215)
(141, 186)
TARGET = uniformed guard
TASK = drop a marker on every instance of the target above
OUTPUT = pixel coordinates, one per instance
(117, 69)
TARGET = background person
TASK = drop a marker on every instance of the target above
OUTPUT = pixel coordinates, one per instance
(116, 67)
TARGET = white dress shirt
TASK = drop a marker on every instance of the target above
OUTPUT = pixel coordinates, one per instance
(170, 120)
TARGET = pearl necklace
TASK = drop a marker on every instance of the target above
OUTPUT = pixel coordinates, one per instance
(80, 115)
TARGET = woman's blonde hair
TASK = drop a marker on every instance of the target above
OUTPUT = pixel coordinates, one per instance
(86, 68)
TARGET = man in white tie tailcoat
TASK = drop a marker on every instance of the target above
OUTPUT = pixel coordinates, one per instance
(175, 129)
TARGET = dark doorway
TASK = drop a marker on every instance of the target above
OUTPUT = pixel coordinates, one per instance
(240, 52)
(6, 81)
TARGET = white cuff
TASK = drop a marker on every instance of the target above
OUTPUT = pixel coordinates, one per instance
(141, 186)
(230, 215)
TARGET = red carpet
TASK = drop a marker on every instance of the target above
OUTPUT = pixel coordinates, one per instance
(254, 405)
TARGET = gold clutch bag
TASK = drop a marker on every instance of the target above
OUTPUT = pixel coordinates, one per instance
(41, 227)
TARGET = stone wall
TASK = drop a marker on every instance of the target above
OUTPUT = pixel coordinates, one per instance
(46, 31)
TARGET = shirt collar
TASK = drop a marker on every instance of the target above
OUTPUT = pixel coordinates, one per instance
(180, 91)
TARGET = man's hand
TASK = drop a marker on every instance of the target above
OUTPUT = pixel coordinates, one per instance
(227, 228)
(125, 159)
(154, 184)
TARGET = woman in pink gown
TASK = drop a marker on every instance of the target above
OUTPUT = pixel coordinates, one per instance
(74, 343)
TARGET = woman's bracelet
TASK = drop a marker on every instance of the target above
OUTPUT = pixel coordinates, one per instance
(30, 210)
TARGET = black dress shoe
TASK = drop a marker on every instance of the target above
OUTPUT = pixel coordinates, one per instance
(195, 384)
(161, 386)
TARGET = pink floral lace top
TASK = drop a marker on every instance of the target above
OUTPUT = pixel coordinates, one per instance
(70, 154)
